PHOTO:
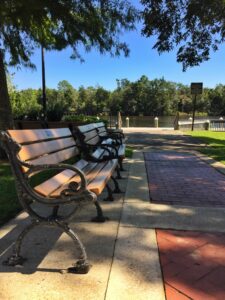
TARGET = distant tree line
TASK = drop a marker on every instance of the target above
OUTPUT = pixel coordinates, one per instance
(146, 97)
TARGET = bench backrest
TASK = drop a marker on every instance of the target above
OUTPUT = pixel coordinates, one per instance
(88, 134)
(101, 128)
(45, 146)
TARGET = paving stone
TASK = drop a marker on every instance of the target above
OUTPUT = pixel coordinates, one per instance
(183, 179)
(173, 294)
(198, 273)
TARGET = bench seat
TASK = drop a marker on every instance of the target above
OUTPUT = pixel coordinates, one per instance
(97, 175)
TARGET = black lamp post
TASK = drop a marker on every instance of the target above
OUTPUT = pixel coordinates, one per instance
(44, 101)
(108, 112)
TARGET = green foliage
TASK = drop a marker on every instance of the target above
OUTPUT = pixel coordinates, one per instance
(195, 27)
(27, 24)
(129, 152)
(83, 119)
(55, 25)
(25, 104)
(56, 105)
(68, 95)
(142, 97)
(9, 204)
(152, 97)
(217, 100)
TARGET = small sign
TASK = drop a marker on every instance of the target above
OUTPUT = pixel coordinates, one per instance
(196, 88)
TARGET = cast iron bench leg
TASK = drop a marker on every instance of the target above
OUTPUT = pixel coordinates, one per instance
(110, 194)
(117, 189)
(121, 164)
(15, 258)
(81, 266)
(100, 218)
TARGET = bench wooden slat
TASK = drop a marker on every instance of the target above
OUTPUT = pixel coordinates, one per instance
(99, 182)
(101, 173)
(91, 138)
(90, 135)
(93, 141)
(102, 132)
(35, 135)
(98, 153)
(50, 185)
(85, 128)
(38, 149)
(91, 171)
(53, 186)
(101, 128)
(56, 157)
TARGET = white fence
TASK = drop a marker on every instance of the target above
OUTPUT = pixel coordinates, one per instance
(213, 125)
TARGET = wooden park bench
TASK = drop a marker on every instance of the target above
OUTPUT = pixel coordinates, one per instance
(72, 186)
(95, 134)
(104, 132)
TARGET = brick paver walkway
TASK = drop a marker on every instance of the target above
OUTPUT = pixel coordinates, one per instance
(193, 264)
(183, 179)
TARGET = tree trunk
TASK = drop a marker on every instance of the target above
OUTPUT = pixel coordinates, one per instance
(6, 120)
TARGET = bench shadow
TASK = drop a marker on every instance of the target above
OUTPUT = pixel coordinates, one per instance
(42, 240)
(36, 245)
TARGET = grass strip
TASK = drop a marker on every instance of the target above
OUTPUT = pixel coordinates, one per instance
(214, 143)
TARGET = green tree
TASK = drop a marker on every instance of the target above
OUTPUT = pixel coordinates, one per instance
(25, 104)
(195, 27)
(90, 106)
(115, 102)
(101, 99)
(68, 95)
(184, 98)
(217, 100)
(27, 24)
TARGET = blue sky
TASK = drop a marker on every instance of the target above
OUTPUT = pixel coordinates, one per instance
(103, 70)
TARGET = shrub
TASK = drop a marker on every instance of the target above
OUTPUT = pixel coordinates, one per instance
(83, 119)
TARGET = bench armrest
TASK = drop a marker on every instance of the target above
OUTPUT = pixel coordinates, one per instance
(115, 139)
(113, 146)
(115, 132)
(85, 148)
(71, 194)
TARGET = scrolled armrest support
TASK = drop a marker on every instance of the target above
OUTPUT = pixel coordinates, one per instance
(67, 196)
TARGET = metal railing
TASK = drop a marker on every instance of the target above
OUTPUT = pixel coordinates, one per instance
(213, 125)
(217, 125)
(198, 124)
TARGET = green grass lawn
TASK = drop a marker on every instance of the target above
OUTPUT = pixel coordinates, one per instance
(129, 152)
(9, 204)
(214, 143)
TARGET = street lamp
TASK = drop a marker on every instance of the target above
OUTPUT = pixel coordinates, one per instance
(108, 112)
(44, 100)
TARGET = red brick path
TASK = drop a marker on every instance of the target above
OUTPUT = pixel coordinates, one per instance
(183, 179)
(193, 264)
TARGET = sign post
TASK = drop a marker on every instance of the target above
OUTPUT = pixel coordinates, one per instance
(196, 89)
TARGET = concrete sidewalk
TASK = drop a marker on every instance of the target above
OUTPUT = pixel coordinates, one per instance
(123, 251)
